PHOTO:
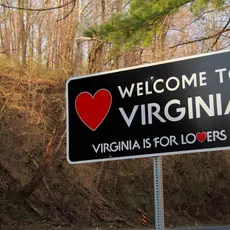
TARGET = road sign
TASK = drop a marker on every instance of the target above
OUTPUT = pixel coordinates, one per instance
(172, 107)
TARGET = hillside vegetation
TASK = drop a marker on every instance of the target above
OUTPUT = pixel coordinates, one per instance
(39, 188)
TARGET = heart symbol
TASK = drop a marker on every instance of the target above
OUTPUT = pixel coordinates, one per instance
(201, 136)
(92, 110)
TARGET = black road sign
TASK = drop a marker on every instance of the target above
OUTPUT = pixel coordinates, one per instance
(173, 107)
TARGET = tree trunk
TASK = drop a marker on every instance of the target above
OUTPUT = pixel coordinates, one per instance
(39, 46)
(23, 39)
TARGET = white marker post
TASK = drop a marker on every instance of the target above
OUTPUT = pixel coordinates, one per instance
(158, 193)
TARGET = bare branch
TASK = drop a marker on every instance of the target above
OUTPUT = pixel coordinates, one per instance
(202, 14)
(201, 39)
(3, 52)
(73, 7)
(34, 9)
(85, 6)
(221, 32)
(84, 38)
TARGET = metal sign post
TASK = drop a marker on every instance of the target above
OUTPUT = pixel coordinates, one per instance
(158, 193)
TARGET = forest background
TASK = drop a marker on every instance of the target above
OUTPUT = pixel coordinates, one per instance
(42, 44)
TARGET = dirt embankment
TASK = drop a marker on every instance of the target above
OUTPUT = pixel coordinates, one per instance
(32, 132)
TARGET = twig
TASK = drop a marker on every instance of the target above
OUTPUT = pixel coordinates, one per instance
(3, 107)
(202, 14)
(68, 215)
(34, 209)
(50, 193)
(60, 142)
(74, 5)
(221, 32)
(84, 38)
(50, 145)
(85, 6)
(3, 52)
(200, 39)
(33, 9)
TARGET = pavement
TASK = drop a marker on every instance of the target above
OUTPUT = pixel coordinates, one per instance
(201, 228)
(190, 228)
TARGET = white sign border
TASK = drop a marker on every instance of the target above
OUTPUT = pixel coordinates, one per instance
(144, 155)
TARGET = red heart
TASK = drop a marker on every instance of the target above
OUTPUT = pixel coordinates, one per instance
(92, 110)
(201, 136)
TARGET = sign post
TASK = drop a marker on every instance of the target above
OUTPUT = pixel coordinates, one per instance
(158, 193)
